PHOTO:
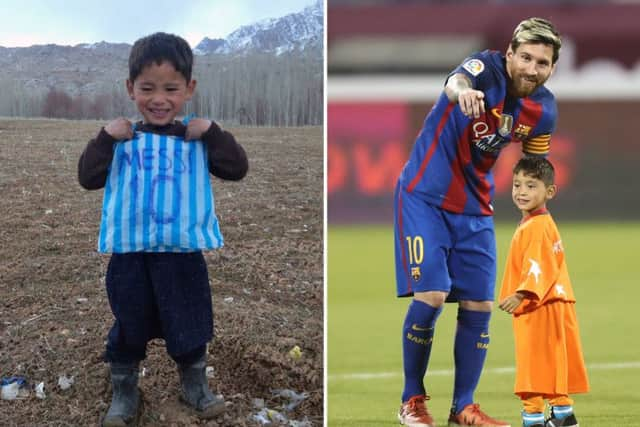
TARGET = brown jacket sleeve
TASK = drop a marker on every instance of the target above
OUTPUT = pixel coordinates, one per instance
(227, 158)
(94, 162)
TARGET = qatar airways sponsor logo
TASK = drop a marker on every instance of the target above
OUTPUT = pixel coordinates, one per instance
(492, 142)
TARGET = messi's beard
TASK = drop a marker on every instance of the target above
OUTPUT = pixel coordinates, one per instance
(519, 88)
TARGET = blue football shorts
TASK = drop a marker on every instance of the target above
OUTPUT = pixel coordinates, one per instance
(436, 250)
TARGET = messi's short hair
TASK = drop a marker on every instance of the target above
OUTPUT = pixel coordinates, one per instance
(537, 30)
(536, 167)
(157, 48)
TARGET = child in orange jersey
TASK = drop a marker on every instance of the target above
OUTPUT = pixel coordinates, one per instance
(536, 289)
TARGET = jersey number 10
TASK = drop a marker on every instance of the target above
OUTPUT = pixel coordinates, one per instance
(416, 249)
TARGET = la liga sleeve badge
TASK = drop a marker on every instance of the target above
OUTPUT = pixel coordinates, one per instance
(474, 66)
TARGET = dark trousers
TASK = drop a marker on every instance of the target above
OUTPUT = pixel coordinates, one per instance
(158, 295)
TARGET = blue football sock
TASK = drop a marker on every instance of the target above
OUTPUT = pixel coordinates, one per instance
(470, 350)
(561, 412)
(417, 336)
(532, 419)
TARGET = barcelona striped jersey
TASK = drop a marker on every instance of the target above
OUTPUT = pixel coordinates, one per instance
(158, 197)
(451, 160)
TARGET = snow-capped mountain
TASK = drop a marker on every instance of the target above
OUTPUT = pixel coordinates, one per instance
(99, 69)
(295, 32)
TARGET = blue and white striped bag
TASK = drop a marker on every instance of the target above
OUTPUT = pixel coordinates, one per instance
(158, 197)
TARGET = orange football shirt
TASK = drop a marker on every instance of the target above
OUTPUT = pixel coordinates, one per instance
(549, 358)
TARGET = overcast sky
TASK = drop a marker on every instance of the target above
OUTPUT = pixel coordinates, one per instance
(69, 22)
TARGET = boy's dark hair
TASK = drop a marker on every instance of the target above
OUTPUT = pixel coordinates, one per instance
(536, 167)
(160, 47)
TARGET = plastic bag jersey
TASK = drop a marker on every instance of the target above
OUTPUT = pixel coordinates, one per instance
(158, 197)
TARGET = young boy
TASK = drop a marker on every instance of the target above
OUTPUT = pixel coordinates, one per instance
(158, 215)
(536, 289)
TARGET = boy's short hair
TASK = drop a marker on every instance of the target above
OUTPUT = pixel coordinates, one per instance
(536, 167)
(160, 47)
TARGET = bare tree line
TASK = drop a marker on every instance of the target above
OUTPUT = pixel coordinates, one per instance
(257, 90)
(260, 90)
(18, 101)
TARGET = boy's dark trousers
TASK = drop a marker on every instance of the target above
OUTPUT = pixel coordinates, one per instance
(158, 295)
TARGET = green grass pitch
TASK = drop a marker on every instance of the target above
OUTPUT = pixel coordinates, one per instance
(365, 320)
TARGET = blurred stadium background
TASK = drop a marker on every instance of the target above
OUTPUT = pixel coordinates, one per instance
(387, 63)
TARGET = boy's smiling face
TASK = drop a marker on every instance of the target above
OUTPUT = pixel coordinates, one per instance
(530, 194)
(160, 93)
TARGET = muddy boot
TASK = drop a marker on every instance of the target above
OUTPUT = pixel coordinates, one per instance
(195, 390)
(125, 398)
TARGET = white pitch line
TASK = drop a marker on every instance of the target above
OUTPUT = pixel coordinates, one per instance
(449, 372)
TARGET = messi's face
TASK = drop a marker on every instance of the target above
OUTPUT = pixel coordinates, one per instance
(529, 67)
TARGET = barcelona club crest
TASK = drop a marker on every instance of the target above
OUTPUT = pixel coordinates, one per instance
(415, 273)
(522, 132)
